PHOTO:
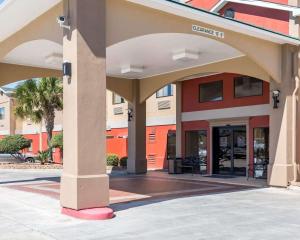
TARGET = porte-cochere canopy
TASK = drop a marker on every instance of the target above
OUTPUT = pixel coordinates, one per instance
(143, 39)
(134, 47)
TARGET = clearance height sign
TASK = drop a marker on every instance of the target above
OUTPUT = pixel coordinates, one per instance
(208, 31)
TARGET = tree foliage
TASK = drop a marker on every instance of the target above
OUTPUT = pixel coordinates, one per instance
(57, 141)
(38, 100)
(13, 144)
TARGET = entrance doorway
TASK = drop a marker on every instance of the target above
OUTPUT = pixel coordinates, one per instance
(230, 150)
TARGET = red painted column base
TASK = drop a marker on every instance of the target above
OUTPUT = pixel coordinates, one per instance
(90, 214)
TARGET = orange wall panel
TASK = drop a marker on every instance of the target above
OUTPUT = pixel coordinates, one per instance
(204, 4)
(190, 94)
(272, 19)
(117, 146)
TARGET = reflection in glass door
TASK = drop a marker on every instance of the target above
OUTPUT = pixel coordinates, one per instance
(261, 151)
(230, 150)
(196, 146)
(239, 151)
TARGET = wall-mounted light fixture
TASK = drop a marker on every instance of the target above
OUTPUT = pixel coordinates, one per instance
(275, 96)
(130, 114)
(67, 69)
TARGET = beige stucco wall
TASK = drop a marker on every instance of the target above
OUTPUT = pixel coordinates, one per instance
(154, 116)
(12, 125)
(6, 124)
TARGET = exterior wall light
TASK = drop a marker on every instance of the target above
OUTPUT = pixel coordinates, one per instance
(67, 69)
(275, 96)
(130, 114)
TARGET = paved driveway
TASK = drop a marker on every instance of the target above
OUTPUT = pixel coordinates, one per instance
(177, 210)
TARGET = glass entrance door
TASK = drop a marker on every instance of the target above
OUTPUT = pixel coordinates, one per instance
(196, 147)
(230, 150)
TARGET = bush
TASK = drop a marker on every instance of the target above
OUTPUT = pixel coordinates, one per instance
(43, 157)
(13, 144)
(112, 160)
(123, 161)
(57, 141)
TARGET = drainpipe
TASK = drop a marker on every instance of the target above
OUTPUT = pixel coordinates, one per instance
(294, 140)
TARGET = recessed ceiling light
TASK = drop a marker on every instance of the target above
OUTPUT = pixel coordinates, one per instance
(132, 69)
(185, 55)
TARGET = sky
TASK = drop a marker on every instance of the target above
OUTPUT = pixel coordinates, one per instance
(15, 84)
(1, 1)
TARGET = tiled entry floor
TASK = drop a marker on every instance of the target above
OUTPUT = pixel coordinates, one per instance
(138, 188)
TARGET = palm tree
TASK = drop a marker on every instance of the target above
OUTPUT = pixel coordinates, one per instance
(38, 100)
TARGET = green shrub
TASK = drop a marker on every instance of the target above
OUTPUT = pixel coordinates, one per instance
(112, 160)
(43, 156)
(123, 161)
(57, 141)
(13, 144)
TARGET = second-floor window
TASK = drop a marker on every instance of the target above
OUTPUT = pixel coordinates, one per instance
(211, 92)
(2, 113)
(245, 86)
(166, 91)
(117, 99)
(229, 13)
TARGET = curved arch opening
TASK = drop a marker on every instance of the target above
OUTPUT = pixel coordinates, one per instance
(37, 53)
(156, 54)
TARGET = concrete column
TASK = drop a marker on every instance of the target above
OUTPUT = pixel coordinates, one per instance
(280, 172)
(137, 162)
(84, 182)
(178, 119)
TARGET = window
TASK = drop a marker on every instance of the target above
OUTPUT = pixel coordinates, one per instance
(117, 99)
(210, 92)
(2, 113)
(30, 147)
(229, 13)
(196, 147)
(260, 152)
(247, 86)
(165, 91)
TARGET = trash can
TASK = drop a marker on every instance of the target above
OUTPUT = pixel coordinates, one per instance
(174, 165)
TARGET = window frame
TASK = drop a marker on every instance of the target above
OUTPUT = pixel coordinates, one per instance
(258, 95)
(232, 12)
(117, 103)
(205, 83)
(2, 118)
(172, 92)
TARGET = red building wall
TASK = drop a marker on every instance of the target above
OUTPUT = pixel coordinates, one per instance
(116, 141)
(190, 94)
(204, 4)
(272, 19)
(190, 103)
(156, 145)
(156, 150)
(35, 138)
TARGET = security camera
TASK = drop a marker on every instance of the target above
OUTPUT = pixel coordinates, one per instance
(276, 93)
(62, 21)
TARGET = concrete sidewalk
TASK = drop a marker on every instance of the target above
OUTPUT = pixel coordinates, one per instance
(265, 213)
